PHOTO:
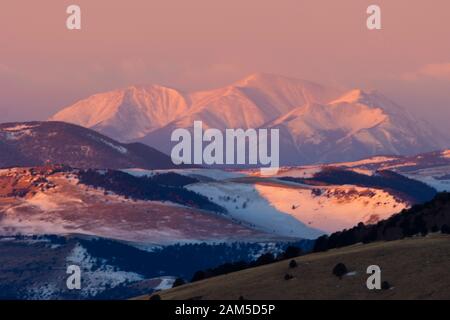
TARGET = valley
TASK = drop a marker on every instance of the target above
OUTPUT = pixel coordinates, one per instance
(110, 269)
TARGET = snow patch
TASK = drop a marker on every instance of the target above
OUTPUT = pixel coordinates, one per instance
(245, 203)
(332, 208)
(19, 127)
(96, 276)
(166, 283)
(116, 147)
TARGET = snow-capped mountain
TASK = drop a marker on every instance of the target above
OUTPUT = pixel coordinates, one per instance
(128, 113)
(251, 102)
(317, 123)
(357, 125)
(136, 111)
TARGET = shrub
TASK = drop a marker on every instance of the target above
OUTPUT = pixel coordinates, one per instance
(288, 277)
(445, 229)
(155, 297)
(293, 264)
(199, 275)
(385, 285)
(178, 282)
(265, 259)
(321, 244)
(340, 270)
(292, 252)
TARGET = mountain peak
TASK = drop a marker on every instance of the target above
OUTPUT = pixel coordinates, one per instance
(369, 98)
(355, 96)
(127, 113)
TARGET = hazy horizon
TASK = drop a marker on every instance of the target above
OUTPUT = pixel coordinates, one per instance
(203, 45)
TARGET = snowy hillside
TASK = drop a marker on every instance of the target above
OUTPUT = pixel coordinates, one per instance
(286, 208)
(53, 202)
(181, 205)
(289, 210)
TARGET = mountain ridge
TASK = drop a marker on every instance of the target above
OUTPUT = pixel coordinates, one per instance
(318, 124)
(39, 143)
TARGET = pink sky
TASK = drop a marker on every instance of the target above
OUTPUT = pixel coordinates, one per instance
(200, 44)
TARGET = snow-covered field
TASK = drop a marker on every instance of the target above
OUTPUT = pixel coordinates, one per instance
(257, 207)
(243, 202)
(289, 210)
(437, 177)
(72, 208)
(336, 208)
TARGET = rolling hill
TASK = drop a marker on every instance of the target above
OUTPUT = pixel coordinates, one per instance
(415, 268)
(40, 143)
(112, 204)
(411, 248)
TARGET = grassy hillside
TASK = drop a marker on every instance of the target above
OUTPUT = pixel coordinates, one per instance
(416, 268)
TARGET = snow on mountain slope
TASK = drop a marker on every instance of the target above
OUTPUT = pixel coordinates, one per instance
(249, 103)
(336, 208)
(357, 125)
(431, 168)
(128, 113)
(56, 203)
(436, 177)
(131, 113)
(244, 203)
(318, 124)
(105, 275)
(256, 208)
(305, 211)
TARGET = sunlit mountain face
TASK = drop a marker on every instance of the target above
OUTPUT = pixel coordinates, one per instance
(317, 124)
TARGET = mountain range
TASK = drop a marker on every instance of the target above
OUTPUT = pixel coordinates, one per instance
(317, 124)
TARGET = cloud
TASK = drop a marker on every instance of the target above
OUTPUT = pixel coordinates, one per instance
(432, 70)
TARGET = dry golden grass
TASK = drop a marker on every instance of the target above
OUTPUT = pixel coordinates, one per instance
(417, 268)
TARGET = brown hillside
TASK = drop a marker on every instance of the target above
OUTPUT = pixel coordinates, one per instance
(417, 268)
